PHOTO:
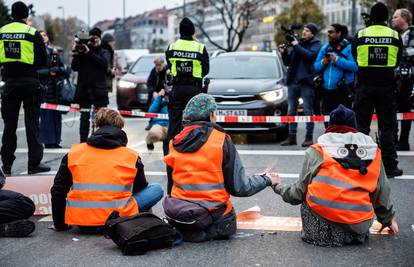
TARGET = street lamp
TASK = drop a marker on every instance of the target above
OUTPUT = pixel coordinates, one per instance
(64, 31)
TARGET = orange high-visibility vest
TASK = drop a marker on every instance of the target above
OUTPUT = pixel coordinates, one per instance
(342, 195)
(102, 183)
(198, 177)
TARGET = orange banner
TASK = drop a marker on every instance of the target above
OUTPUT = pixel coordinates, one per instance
(35, 187)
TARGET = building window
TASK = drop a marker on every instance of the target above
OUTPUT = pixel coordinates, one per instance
(154, 30)
(150, 22)
(344, 20)
(161, 31)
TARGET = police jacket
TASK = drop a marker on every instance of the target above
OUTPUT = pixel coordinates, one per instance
(107, 138)
(236, 182)
(377, 50)
(343, 68)
(380, 198)
(19, 70)
(92, 72)
(300, 61)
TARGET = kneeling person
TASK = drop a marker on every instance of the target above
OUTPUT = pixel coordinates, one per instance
(206, 170)
(342, 186)
(101, 176)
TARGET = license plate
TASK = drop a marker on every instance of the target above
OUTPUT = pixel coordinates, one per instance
(226, 112)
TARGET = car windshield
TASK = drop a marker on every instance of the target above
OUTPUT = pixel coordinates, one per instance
(143, 65)
(244, 67)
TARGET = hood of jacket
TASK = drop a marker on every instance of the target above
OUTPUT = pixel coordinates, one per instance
(108, 137)
(194, 136)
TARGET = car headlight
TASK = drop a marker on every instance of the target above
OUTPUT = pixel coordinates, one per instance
(1, 83)
(272, 96)
(126, 84)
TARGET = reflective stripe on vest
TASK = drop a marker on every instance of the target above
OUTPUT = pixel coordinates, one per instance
(17, 43)
(186, 51)
(102, 183)
(198, 177)
(343, 195)
(377, 46)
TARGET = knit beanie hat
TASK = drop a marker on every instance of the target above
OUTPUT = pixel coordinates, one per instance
(186, 27)
(19, 10)
(199, 108)
(312, 27)
(379, 12)
(108, 38)
(342, 116)
(95, 31)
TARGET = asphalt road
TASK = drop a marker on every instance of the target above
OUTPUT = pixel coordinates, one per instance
(247, 248)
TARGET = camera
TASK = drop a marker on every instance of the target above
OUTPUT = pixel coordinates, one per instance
(290, 34)
(82, 38)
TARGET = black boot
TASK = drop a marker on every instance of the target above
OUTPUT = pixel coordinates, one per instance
(39, 168)
(308, 141)
(393, 172)
(6, 169)
(290, 141)
(20, 228)
(403, 145)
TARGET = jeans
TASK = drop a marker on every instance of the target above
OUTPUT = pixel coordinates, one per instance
(295, 91)
(149, 196)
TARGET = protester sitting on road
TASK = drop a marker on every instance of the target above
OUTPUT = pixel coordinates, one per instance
(15, 209)
(101, 176)
(159, 127)
(206, 170)
(341, 186)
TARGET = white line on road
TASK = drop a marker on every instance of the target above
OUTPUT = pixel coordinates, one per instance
(283, 175)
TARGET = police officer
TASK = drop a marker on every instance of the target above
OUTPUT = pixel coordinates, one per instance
(22, 51)
(188, 62)
(377, 50)
(401, 22)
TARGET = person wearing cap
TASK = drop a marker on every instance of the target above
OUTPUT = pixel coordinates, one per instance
(401, 22)
(92, 66)
(300, 76)
(336, 68)
(342, 186)
(377, 50)
(188, 62)
(206, 170)
(22, 53)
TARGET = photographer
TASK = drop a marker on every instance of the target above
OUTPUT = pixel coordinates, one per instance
(401, 23)
(336, 68)
(50, 76)
(91, 61)
(300, 78)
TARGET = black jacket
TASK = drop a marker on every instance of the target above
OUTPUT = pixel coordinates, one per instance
(156, 80)
(17, 70)
(300, 61)
(109, 74)
(376, 76)
(235, 180)
(107, 137)
(92, 71)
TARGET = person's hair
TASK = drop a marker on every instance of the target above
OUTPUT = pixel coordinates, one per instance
(109, 117)
(340, 28)
(159, 59)
(406, 14)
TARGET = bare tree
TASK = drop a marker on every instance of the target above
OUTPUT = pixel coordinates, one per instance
(235, 15)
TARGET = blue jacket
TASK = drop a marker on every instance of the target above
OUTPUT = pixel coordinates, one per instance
(159, 105)
(300, 61)
(335, 71)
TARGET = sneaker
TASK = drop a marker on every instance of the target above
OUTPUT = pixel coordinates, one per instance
(150, 146)
(53, 146)
(148, 127)
(290, 141)
(39, 168)
(20, 228)
(394, 172)
(6, 169)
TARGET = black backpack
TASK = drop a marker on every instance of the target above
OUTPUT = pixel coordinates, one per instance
(135, 235)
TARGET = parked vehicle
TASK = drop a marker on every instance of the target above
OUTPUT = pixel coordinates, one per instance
(131, 89)
(127, 57)
(249, 83)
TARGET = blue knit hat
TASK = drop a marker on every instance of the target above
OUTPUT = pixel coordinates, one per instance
(199, 107)
(342, 116)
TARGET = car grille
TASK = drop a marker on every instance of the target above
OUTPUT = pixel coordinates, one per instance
(234, 99)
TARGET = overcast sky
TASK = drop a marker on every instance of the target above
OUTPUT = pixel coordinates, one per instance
(100, 9)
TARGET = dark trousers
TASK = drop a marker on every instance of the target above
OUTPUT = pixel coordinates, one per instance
(14, 206)
(85, 118)
(50, 126)
(307, 93)
(331, 99)
(404, 103)
(10, 107)
(381, 99)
